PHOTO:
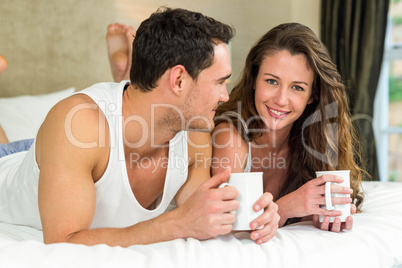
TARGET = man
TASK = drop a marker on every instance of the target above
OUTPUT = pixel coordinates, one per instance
(107, 162)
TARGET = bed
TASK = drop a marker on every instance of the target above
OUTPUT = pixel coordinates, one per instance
(374, 241)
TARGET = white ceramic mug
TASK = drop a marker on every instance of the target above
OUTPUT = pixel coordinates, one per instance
(344, 208)
(249, 185)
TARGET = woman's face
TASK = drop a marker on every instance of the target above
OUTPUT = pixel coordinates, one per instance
(283, 89)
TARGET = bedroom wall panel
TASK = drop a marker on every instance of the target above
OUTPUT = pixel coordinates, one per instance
(53, 45)
(250, 18)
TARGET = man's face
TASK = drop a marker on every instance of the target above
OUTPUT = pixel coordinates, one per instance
(207, 91)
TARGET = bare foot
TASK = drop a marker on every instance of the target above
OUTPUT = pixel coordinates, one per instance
(3, 64)
(119, 40)
(130, 33)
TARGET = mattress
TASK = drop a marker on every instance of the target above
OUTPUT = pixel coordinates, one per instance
(374, 241)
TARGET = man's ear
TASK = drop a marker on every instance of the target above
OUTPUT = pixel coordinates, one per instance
(177, 76)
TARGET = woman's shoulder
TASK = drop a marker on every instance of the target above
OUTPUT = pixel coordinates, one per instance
(226, 129)
(228, 148)
(226, 135)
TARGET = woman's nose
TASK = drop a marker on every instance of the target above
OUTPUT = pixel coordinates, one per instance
(281, 97)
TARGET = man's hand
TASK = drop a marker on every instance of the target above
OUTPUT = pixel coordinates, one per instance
(206, 213)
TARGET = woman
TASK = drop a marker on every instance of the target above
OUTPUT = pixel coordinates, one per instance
(7, 148)
(284, 117)
(3, 64)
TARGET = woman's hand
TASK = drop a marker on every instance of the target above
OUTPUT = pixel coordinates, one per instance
(268, 220)
(308, 199)
(337, 225)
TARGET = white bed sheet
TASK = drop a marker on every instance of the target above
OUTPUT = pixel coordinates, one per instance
(375, 241)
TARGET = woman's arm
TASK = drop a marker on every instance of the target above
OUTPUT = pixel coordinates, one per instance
(229, 150)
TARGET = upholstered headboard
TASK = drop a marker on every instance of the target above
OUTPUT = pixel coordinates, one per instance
(53, 45)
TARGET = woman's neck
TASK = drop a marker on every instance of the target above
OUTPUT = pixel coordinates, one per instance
(274, 141)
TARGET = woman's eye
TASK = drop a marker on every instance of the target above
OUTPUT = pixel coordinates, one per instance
(272, 81)
(298, 88)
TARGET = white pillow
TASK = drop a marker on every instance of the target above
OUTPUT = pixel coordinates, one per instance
(21, 117)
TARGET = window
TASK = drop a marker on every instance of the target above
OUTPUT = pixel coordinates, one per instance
(388, 103)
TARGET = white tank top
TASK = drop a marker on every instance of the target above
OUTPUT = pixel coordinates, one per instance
(116, 205)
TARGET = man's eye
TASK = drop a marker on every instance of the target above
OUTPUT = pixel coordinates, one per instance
(224, 82)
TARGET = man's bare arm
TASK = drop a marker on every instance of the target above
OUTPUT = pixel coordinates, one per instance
(68, 172)
(67, 197)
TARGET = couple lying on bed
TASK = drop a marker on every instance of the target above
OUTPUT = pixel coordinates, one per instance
(107, 161)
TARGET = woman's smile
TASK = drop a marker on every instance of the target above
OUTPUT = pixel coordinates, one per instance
(278, 114)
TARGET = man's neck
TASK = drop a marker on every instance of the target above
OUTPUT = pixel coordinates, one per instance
(143, 131)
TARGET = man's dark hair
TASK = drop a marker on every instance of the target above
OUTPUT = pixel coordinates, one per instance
(170, 37)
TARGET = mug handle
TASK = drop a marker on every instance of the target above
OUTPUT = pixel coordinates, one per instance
(328, 200)
(224, 185)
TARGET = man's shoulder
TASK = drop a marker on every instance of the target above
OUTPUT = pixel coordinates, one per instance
(78, 118)
(71, 108)
(106, 86)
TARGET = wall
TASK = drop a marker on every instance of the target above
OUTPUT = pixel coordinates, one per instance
(250, 18)
(52, 45)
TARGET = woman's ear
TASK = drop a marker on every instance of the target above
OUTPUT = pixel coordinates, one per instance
(314, 96)
(177, 75)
